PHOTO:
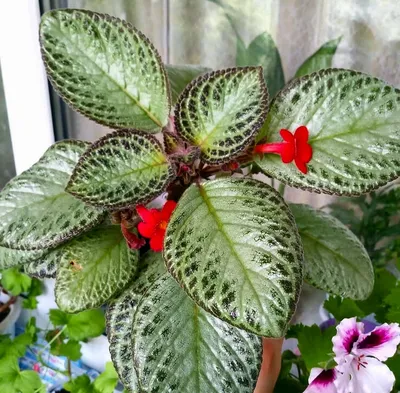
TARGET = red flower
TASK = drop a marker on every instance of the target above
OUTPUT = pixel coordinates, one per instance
(295, 147)
(155, 223)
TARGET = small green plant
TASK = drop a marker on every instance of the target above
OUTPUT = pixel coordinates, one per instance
(229, 255)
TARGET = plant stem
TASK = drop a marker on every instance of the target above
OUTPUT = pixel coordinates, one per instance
(281, 188)
(52, 340)
(69, 367)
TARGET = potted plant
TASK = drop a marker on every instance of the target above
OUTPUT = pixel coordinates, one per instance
(228, 255)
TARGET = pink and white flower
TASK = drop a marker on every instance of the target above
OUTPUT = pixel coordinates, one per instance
(359, 358)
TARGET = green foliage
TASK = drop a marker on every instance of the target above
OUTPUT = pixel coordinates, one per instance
(352, 120)
(81, 384)
(220, 112)
(233, 245)
(108, 71)
(335, 260)
(35, 290)
(315, 345)
(15, 282)
(107, 381)
(59, 346)
(90, 269)
(374, 219)
(46, 266)
(81, 326)
(322, 58)
(263, 52)
(122, 169)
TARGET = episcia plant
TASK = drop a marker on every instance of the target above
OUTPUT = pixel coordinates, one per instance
(228, 255)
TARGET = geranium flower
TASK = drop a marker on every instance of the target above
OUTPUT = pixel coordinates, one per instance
(155, 223)
(359, 360)
(294, 147)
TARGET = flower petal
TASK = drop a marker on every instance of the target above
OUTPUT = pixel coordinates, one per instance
(146, 230)
(381, 343)
(287, 152)
(157, 240)
(348, 332)
(304, 152)
(147, 215)
(301, 166)
(321, 381)
(373, 377)
(301, 135)
(287, 136)
(167, 210)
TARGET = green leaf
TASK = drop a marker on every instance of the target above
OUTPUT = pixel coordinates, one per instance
(10, 257)
(35, 210)
(353, 120)
(94, 268)
(220, 112)
(45, 266)
(180, 76)
(12, 380)
(105, 68)
(262, 51)
(120, 315)
(178, 347)
(15, 282)
(35, 290)
(70, 349)
(107, 381)
(393, 303)
(80, 326)
(81, 384)
(120, 170)
(315, 345)
(233, 245)
(343, 308)
(15, 348)
(394, 365)
(322, 58)
(335, 260)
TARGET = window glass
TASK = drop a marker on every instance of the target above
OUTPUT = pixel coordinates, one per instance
(7, 168)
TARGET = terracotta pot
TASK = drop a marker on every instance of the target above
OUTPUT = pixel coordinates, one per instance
(271, 365)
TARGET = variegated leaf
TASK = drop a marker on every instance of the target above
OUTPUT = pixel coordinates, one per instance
(180, 76)
(335, 260)
(105, 68)
(122, 169)
(45, 266)
(178, 347)
(220, 112)
(93, 269)
(120, 315)
(10, 257)
(233, 245)
(354, 125)
(36, 212)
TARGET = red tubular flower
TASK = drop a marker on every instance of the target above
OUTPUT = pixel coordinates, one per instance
(294, 147)
(155, 223)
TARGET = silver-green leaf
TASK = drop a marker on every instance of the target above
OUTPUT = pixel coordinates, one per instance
(233, 245)
(93, 269)
(120, 314)
(220, 112)
(354, 125)
(178, 347)
(335, 260)
(120, 170)
(46, 266)
(36, 212)
(10, 257)
(105, 69)
(322, 58)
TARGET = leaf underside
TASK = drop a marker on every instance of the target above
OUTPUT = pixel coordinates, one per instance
(120, 170)
(220, 112)
(354, 125)
(94, 268)
(105, 68)
(35, 211)
(233, 245)
(335, 260)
